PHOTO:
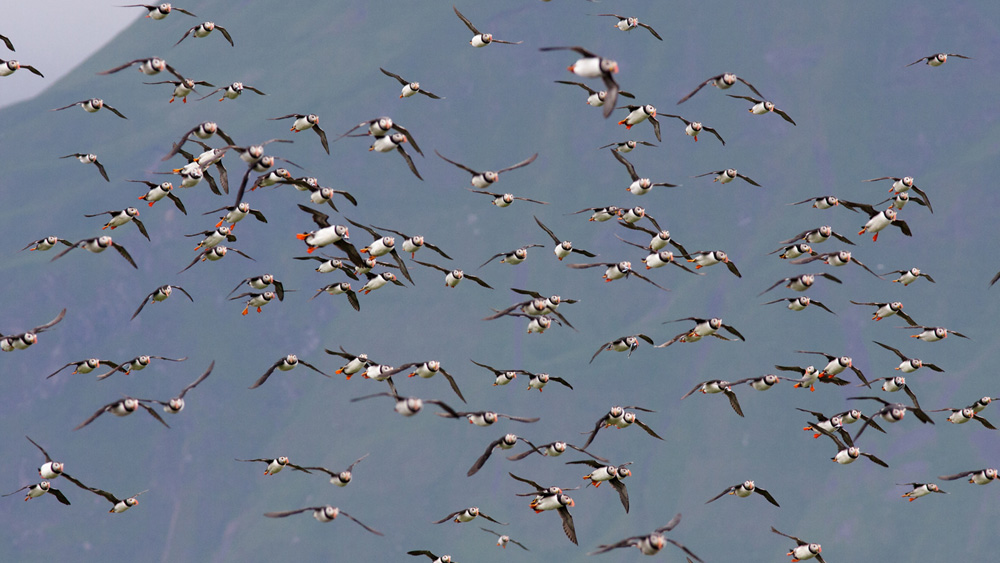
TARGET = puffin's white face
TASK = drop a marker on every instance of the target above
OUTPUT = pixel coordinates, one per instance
(610, 67)
(844, 256)
(649, 110)
(104, 241)
(385, 123)
(720, 256)
(616, 411)
(176, 404)
(491, 176)
(490, 417)
(715, 323)
(769, 106)
(748, 485)
(629, 418)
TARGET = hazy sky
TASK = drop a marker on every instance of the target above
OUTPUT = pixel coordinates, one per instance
(50, 38)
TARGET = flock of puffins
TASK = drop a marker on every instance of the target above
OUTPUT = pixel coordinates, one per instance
(384, 262)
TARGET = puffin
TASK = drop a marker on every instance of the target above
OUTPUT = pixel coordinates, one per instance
(592, 65)
(158, 11)
(338, 289)
(694, 128)
(160, 294)
(760, 107)
(621, 417)
(176, 404)
(325, 513)
(728, 175)
(99, 244)
(723, 82)
(232, 91)
(837, 259)
(452, 277)
(597, 99)
(608, 473)
(919, 490)
(11, 342)
(623, 344)
(505, 442)
(481, 39)
(483, 180)
(274, 465)
(639, 186)
(650, 544)
(286, 363)
(743, 490)
(203, 30)
(630, 23)
(467, 515)
(341, 478)
(504, 539)
(802, 550)
(409, 88)
(92, 106)
(306, 121)
(937, 59)
(638, 114)
(123, 407)
(90, 158)
(257, 300)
